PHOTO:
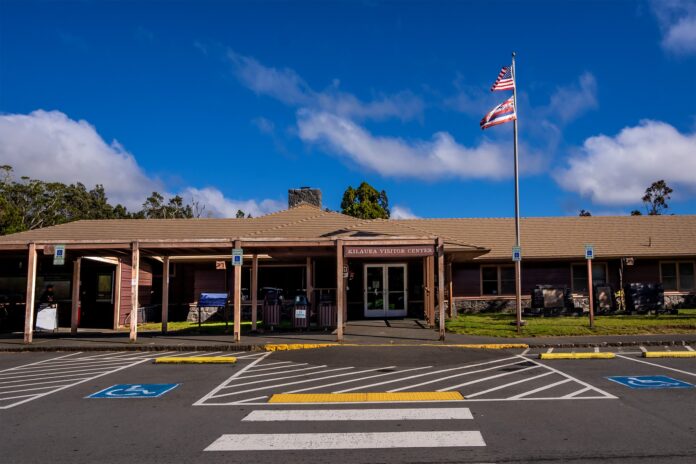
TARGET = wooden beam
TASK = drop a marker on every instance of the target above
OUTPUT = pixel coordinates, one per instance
(165, 293)
(75, 313)
(310, 283)
(118, 291)
(441, 285)
(450, 288)
(254, 290)
(340, 286)
(237, 297)
(135, 282)
(430, 264)
(31, 295)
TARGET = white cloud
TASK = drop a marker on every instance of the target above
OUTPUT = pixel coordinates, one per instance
(50, 146)
(402, 212)
(617, 170)
(569, 102)
(395, 157)
(677, 19)
(290, 88)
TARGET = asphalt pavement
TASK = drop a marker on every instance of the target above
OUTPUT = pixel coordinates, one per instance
(516, 407)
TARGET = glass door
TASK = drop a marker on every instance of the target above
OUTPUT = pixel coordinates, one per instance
(385, 290)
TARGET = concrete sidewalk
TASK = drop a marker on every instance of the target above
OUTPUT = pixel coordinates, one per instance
(368, 332)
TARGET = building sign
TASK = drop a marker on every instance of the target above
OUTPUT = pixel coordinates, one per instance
(237, 255)
(59, 255)
(408, 251)
(220, 265)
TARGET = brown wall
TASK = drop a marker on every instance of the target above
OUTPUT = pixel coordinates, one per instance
(144, 287)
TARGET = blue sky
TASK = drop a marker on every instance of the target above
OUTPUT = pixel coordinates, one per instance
(232, 103)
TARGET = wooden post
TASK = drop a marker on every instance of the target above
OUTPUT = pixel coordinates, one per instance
(165, 293)
(453, 310)
(117, 293)
(590, 292)
(310, 283)
(31, 295)
(237, 297)
(340, 285)
(75, 313)
(254, 290)
(441, 285)
(430, 261)
(135, 283)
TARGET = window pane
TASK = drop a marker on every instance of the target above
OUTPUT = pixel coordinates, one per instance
(669, 276)
(490, 287)
(599, 274)
(686, 276)
(507, 280)
(489, 273)
(579, 278)
(489, 280)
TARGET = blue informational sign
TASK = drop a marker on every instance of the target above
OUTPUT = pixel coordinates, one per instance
(237, 256)
(650, 381)
(516, 253)
(589, 252)
(135, 390)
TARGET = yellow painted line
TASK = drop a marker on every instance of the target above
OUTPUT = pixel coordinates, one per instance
(198, 360)
(577, 356)
(669, 354)
(364, 397)
(309, 346)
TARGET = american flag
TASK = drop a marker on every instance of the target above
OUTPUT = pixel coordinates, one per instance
(504, 80)
(502, 113)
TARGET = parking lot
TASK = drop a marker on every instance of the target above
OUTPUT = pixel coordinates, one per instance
(516, 407)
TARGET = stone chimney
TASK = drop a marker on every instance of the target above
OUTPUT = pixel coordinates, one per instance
(304, 195)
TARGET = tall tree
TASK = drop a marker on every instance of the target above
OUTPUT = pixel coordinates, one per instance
(656, 196)
(240, 214)
(584, 213)
(365, 202)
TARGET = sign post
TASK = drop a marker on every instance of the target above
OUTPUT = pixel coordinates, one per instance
(59, 255)
(589, 256)
(517, 259)
(237, 256)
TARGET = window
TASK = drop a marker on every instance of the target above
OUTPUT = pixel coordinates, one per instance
(104, 288)
(497, 280)
(579, 272)
(677, 276)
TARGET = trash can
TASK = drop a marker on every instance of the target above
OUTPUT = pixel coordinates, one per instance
(271, 309)
(328, 316)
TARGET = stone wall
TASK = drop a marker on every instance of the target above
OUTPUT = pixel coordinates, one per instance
(304, 195)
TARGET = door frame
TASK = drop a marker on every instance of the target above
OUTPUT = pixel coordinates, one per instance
(386, 312)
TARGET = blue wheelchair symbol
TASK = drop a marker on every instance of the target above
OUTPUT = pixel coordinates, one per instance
(650, 381)
(147, 390)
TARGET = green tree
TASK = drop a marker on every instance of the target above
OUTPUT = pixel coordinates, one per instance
(636, 212)
(656, 196)
(365, 202)
(155, 208)
(584, 213)
(240, 214)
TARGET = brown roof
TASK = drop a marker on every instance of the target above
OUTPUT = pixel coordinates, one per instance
(550, 237)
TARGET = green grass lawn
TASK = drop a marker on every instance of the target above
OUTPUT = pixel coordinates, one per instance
(502, 325)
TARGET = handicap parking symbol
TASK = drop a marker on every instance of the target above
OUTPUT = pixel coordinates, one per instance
(136, 390)
(650, 381)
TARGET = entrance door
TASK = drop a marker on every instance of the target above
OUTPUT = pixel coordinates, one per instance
(385, 290)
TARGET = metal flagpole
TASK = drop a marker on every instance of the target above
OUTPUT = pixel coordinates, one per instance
(518, 263)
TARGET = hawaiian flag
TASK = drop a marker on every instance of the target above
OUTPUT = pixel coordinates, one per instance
(504, 80)
(502, 113)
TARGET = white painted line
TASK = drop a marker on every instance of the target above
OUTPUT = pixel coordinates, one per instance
(248, 402)
(15, 397)
(180, 354)
(667, 348)
(72, 384)
(574, 394)
(461, 374)
(273, 379)
(61, 381)
(688, 348)
(365, 440)
(359, 414)
(25, 389)
(277, 364)
(596, 349)
(50, 375)
(206, 353)
(38, 362)
(76, 374)
(228, 353)
(230, 379)
(545, 387)
(50, 368)
(608, 395)
(525, 352)
(471, 382)
(550, 350)
(500, 387)
(657, 365)
(643, 349)
(256, 355)
(425, 374)
(291, 371)
(358, 379)
(266, 387)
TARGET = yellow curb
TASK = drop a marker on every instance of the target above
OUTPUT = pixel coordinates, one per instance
(577, 356)
(669, 354)
(364, 397)
(309, 346)
(197, 360)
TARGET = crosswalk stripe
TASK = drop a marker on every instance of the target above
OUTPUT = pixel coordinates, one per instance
(359, 414)
(287, 377)
(500, 387)
(536, 390)
(454, 387)
(460, 374)
(357, 380)
(362, 440)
